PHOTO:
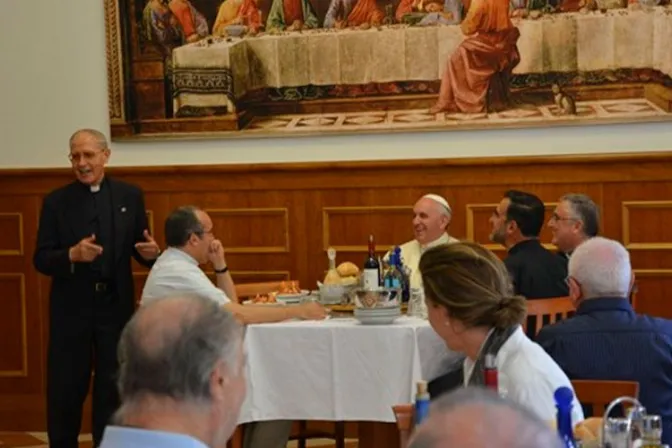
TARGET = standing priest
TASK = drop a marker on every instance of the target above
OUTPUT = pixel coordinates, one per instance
(88, 231)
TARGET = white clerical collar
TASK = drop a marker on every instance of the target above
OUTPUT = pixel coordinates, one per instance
(96, 188)
(443, 239)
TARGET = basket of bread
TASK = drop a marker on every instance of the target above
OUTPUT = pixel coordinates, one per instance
(339, 281)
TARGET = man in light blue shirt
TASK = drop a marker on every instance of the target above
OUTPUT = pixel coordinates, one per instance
(181, 376)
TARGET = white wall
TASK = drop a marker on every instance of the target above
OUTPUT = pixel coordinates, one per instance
(53, 81)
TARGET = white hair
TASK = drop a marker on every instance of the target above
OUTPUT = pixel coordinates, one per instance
(602, 267)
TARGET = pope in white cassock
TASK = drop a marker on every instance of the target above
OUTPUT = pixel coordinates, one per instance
(431, 218)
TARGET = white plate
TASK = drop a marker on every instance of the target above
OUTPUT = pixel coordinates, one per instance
(292, 298)
(377, 320)
(252, 303)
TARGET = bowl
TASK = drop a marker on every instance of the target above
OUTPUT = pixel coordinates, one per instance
(235, 30)
(376, 298)
(331, 294)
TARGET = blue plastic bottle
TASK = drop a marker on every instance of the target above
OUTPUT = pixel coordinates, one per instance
(421, 402)
(564, 398)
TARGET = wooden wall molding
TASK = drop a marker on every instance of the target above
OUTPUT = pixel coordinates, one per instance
(12, 239)
(278, 219)
(23, 335)
(329, 212)
(627, 208)
(281, 213)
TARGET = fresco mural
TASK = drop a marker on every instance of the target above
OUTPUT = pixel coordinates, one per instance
(250, 68)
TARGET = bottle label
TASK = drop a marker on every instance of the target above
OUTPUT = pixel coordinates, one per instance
(371, 280)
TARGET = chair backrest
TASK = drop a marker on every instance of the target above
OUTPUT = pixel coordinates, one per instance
(557, 308)
(405, 416)
(252, 289)
(599, 393)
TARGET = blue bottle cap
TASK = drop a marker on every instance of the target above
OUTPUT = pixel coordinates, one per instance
(563, 396)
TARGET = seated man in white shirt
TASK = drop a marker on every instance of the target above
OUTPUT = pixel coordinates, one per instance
(181, 376)
(479, 418)
(190, 241)
(431, 218)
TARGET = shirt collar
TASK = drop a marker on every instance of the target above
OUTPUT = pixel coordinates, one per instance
(522, 245)
(174, 252)
(118, 436)
(605, 304)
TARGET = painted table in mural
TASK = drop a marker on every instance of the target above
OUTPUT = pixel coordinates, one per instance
(218, 72)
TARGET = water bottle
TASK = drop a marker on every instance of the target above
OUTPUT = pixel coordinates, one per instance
(421, 402)
(564, 398)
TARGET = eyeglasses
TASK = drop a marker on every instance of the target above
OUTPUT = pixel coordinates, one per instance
(556, 217)
(86, 156)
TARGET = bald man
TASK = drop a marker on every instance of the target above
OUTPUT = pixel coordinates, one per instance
(181, 378)
(431, 218)
(479, 418)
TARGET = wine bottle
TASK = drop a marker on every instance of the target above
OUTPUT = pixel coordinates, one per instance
(490, 373)
(563, 402)
(371, 268)
(422, 400)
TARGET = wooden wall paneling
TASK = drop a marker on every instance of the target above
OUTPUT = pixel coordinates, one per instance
(276, 219)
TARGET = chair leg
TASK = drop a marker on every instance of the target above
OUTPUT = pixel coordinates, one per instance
(303, 427)
(339, 434)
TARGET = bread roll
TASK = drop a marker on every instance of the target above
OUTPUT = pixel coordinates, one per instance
(349, 281)
(348, 269)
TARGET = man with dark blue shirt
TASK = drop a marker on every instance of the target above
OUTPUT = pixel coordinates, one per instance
(606, 340)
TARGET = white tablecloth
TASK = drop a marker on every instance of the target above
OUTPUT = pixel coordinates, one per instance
(338, 369)
(218, 74)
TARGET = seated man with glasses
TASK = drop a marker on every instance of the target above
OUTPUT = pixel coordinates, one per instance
(190, 242)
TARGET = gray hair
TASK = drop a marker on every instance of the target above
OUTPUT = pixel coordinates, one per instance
(479, 418)
(164, 354)
(585, 210)
(101, 140)
(602, 267)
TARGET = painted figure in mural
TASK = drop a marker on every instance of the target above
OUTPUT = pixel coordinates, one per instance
(439, 12)
(191, 22)
(476, 77)
(160, 25)
(237, 12)
(353, 13)
(291, 15)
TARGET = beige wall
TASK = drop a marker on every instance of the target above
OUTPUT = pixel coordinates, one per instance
(53, 80)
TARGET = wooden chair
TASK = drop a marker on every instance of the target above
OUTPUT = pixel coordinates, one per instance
(405, 417)
(557, 308)
(247, 290)
(236, 440)
(599, 393)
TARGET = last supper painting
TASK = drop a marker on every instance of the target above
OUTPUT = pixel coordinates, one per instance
(253, 68)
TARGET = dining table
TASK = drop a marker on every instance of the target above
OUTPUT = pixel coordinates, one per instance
(340, 370)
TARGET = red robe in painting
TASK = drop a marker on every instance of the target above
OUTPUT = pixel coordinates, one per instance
(365, 11)
(477, 74)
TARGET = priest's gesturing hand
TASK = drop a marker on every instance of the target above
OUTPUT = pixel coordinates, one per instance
(86, 250)
(148, 249)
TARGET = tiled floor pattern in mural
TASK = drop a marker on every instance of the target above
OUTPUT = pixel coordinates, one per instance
(39, 440)
(398, 119)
